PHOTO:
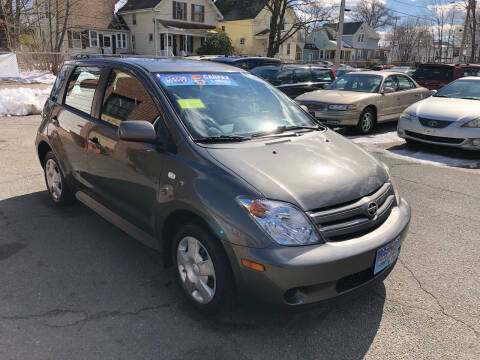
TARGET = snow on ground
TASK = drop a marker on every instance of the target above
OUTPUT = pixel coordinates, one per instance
(28, 77)
(22, 101)
(422, 154)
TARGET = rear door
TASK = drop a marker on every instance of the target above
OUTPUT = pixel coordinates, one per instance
(408, 92)
(321, 78)
(124, 175)
(285, 81)
(72, 120)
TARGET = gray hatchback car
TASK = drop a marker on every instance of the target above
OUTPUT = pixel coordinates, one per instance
(245, 195)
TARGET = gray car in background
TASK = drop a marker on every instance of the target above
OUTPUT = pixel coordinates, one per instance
(451, 117)
(245, 195)
(363, 99)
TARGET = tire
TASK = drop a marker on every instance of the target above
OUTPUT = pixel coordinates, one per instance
(367, 121)
(196, 251)
(57, 186)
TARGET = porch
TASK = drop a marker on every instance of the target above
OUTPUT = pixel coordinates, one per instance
(180, 39)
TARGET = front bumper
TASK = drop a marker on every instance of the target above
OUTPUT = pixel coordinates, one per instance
(339, 118)
(307, 274)
(453, 135)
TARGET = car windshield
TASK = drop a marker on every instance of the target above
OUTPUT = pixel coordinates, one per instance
(357, 82)
(265, 73)
(230, 104)
(461, 89)
(433, 73)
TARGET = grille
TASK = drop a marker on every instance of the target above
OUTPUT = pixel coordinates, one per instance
(355, 218)
(439, 139)
(314, 106)
(438, 124)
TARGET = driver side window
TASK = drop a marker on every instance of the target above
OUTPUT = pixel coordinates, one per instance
(127, 99)
(391, 82)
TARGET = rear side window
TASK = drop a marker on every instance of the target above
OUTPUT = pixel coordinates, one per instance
(61, 78)
(127, 99)
(404, 83)
(434, 73)
(302, 75)
(81, 88)
(471, 71)
(322, 74)
(284, 77)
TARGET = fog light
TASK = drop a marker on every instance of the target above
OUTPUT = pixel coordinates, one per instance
(476, 142)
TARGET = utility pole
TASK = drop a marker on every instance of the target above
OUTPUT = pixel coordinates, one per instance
(464, 35)
(339, 35)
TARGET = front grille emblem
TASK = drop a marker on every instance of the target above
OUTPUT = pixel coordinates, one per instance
(372, 209)
(433, 123)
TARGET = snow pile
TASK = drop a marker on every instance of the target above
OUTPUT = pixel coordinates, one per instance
(22, 101)
(381, 138)
(28, 77)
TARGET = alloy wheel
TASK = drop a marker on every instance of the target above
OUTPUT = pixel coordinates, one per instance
(54, 179)
(196, 270)
(367, 121)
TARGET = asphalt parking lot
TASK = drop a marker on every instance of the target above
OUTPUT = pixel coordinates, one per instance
(75, 287)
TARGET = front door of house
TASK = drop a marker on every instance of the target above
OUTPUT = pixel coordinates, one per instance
(107, 44)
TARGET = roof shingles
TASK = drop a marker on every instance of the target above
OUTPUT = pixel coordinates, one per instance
(240, 9)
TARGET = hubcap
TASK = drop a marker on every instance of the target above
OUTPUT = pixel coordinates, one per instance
(196, 270)
(366, 122)
(54, 179)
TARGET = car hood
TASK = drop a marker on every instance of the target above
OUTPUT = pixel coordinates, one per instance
(447, 108)
(315, 170)
(335, 97)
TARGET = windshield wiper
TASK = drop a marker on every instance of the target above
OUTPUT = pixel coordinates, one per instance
(223, 138)
(284, 128)
(470, 98)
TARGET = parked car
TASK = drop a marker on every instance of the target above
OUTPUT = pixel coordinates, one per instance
(436, 76)
(295, 80)
(451, 117)
(362, 99)
(190, 158)
(341, 72)
(247, 63)
(402, 69)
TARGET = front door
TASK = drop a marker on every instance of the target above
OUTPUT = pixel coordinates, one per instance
(390, 102)
(114, 45)
(107, 44)
(124, 175)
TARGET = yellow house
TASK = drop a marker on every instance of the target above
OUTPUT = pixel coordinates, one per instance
(247, 23)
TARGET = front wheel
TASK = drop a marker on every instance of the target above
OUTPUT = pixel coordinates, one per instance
(367, 120)
(202, 270)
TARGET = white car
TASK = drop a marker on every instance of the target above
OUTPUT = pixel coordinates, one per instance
(450, 117)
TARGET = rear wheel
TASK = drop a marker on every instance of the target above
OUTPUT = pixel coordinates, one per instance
(202, 270)
(367, 121)
(57, 186)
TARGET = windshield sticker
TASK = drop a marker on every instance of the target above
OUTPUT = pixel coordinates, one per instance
(196, 79)
(191, 103)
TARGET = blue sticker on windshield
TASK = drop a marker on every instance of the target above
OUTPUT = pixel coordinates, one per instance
(196, 79)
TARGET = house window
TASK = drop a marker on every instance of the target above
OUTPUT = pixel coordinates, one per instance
(76, 40)
(288, 48)
(179, 10)
(134, 46)
(122, 41)
(242, 41)
(150, 37)
(134, 19)
(310, 57)
(93, 38)
(282, 25)
(223, 28)
(202, 41)
(361, 37)
(321, 54)
(198, 13)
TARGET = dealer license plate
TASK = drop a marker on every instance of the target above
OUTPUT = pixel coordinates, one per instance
(386, 255)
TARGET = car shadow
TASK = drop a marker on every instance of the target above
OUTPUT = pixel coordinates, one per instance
(66, 266)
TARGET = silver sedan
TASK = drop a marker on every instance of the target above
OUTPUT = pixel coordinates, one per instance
(451, 117)
(363, 99)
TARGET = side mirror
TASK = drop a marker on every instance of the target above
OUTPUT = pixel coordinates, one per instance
(137, 130)
(388, 90)
(433, 92)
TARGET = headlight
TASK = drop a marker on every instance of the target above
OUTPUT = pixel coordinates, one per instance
(285, 224)
(394, 185)
(407, 114)
(472, 124)
(342, 107)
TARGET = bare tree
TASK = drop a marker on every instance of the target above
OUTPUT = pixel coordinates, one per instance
(307, 14)
(12, 21)
(374, 13)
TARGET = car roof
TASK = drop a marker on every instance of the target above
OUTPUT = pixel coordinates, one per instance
(238, 58)
(290, 66)
(381, 73)
(477, 78)
(164, 64)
